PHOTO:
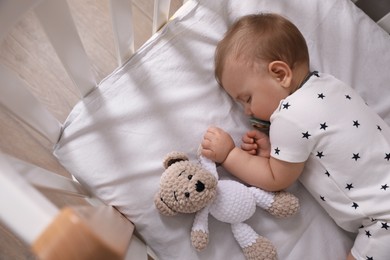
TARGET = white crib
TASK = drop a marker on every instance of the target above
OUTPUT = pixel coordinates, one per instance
(51, 212)
(46, 213)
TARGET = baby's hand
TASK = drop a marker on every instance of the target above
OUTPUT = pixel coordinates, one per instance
(256, 143)
(217, 144)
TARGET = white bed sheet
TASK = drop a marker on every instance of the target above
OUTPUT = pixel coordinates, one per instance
(166, 96)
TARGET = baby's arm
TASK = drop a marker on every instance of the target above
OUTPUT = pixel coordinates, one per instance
(267, 173)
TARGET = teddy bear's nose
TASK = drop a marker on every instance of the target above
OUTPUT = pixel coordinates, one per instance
(199, 186)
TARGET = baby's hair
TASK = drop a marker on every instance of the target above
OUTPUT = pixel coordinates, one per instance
(264, 37)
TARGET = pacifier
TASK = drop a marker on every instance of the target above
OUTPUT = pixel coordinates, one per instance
(259, 124)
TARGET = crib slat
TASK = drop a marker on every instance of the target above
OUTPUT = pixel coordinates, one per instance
(384, 22)
(46, 180)
(122, 21)
(16, 98)
(57, 22)
(85, 233)
(160, 13)
(21, 205)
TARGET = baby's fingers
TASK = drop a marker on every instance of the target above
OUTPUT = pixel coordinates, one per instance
(247, 139)
(257, 134)
(208, 154)
(249, 147)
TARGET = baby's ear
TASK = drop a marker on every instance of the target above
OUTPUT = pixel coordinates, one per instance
(281, 72)
(162, 207)
(173, 157)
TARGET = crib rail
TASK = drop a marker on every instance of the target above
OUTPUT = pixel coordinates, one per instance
(89, 231)
(81, 227)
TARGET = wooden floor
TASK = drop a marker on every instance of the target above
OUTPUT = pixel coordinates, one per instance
(27, 51)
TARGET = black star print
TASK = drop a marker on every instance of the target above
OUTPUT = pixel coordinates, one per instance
(322, 198)
(327, 173)
(277, 150)
(379, 127)
(384, 187)
(385, 225)
(369, 258)
(320, 154)
(306, 135)
(286, 106)
(355, 205)
(349, 186)
(348, 97)
(368, 233)
(387, 157)
(323, 126)
(373, 219)
(356, 156)
(321, 95)
(356, 123)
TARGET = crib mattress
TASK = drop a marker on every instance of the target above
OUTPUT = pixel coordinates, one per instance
(164, 98)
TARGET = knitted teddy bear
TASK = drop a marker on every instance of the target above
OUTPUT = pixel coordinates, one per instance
(189, 187)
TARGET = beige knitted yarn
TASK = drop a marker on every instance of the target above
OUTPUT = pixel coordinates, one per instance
(284, 205)
(262, 249)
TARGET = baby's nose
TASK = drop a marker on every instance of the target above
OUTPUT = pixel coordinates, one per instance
(248, 111)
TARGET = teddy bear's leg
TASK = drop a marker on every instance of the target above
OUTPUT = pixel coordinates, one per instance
(279, 204)
(255, 247)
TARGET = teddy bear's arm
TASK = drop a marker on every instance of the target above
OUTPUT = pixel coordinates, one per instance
(200, 230)
(264, 199)
(285, 204)
(280, 204)
(208, 165)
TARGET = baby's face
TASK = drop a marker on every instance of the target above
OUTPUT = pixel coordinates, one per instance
(253, 87)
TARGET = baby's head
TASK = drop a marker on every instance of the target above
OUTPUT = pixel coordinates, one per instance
(261, 38)
(262, 59)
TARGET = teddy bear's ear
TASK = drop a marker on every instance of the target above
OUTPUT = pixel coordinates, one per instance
(162, 207)
(173, 157)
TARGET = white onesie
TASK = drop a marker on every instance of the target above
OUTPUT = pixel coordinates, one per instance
(346, 146)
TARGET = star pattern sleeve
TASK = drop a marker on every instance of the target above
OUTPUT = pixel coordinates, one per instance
(290, 140)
